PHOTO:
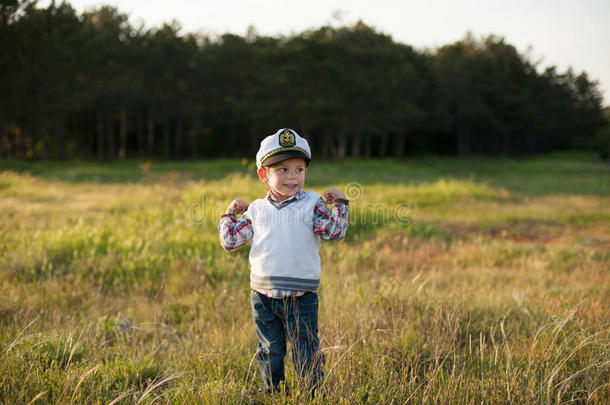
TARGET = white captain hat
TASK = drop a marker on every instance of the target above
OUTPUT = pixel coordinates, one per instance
(284, 144)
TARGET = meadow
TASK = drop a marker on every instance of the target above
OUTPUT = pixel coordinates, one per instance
(461, 280)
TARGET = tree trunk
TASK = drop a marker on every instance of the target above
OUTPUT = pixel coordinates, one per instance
(368, 146)
(383, 145)
(110, 138)
(356, 146)
(195, 133)
(399, 144)
(342, 149)
(326, 146)
(531, 144)
(254, 143)
(3, 143)
(141, 139)
(166, 133)
(90, 142)
(27, 140)
(178, 138)
(505, 144)
(15, 145)
(122, 134)
(44, 139)
(463, 141)
(150, 135)
(99, 129)
(338, 147)
(73, 148)
(81, 134)
(462, 135)
(60, 137)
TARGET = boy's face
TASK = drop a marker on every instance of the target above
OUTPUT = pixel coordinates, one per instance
(285, 178)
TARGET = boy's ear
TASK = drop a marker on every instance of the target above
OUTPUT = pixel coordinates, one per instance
(262, 174)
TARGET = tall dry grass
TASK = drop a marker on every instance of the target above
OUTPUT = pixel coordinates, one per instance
(454, 285)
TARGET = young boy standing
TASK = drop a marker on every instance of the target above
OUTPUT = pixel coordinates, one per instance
(285, 229)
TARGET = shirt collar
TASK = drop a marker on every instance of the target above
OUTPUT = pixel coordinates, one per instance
(297, 196)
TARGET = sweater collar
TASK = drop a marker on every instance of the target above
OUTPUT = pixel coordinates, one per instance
(299, 195)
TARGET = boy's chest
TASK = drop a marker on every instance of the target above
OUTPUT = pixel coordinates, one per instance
(290, 218)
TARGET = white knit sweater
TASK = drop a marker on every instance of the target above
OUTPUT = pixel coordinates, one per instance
(284, 252)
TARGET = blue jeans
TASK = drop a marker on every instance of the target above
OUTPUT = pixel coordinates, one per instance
(295, 319)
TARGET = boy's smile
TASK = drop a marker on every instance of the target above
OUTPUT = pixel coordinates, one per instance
(286, 178)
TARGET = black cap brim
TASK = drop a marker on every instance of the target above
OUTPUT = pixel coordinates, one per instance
(289, 154)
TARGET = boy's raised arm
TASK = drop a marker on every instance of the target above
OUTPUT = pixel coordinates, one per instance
(331, 225)
(235, 232)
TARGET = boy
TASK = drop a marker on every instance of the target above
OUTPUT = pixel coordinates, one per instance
(285, 230)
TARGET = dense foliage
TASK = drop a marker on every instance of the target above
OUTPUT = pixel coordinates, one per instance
(93, 85)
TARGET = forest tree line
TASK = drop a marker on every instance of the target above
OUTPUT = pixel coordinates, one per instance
(94, 86)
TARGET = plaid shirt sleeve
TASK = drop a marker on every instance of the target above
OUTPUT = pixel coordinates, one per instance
(330, 226)
(234, 233)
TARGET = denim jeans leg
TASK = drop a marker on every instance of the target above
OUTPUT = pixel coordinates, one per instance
(271, 347)
(302, 331)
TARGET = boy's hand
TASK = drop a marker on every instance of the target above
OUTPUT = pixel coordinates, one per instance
(332, 194)
(238, 206)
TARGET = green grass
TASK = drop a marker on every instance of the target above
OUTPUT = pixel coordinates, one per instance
(461, 280)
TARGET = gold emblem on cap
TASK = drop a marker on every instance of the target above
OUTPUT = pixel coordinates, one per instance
(287, 139)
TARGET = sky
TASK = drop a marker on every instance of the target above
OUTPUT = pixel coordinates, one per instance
(561, 33)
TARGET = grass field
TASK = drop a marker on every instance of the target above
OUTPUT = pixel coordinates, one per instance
(470, 280)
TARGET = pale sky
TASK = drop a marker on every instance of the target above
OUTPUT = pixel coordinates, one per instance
(562, 33)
